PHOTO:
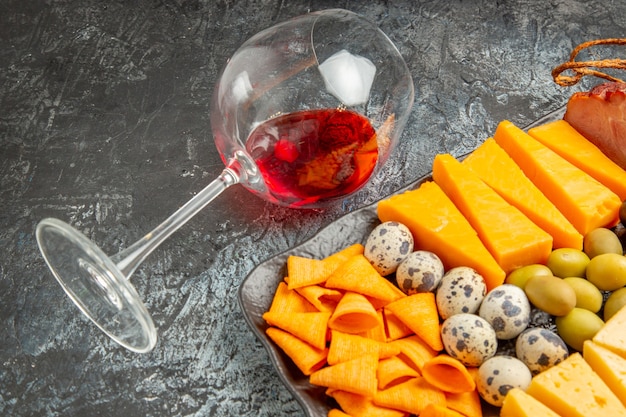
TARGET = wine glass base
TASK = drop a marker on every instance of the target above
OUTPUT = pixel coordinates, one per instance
(96, 285)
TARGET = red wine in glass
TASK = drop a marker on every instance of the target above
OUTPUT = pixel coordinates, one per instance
(314, 155)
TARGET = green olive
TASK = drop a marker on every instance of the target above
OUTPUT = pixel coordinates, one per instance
(568, 262)
(588, 296)
(614, 303)
(577, 326)
(607, 271)
(520, 276)
(601, 240)
(550, 294)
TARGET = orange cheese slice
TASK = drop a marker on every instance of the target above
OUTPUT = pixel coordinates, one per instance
(511, 237)
(563, 139)
(498, 170)
(438, 226)
(584, 201)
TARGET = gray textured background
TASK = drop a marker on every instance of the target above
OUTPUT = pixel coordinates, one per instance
(104, 123)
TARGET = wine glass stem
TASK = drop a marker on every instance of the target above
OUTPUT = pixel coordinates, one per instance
(130, 258)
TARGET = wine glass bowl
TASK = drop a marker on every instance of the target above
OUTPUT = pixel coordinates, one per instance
(317, 104)
(303, 113)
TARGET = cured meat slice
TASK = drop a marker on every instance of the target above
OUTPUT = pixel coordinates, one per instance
(600, 116)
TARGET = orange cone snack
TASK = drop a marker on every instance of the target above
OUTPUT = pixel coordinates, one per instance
(415, 350)
(336, 259)
(357, 405)
(358, 275)
(324, 299)
(307, 358)
(305, 271)
(289, 301)
(355, 334)
(335, 412)
(448, 374)
(434, 410)
(466, 403)
(310, 327)
(411, 396)
(419, 313)
(394, 370)
(345, 347)
(396, 329)
(353, 314)
(357, 376)
(377, 333)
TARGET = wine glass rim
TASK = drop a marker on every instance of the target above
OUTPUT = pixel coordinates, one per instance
(358, 17)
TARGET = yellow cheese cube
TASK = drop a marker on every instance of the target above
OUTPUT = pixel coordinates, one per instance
(573, 389)
(610, 366)
(519, 404)
(613, 334)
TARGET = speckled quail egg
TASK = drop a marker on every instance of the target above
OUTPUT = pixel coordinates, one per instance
(387, 246)
(498, 375)
(469, 338)
(507, 309)
(540, 349)
(421, 271)
(461, 290)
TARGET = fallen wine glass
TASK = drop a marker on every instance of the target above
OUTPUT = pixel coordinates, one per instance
(303, 113)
